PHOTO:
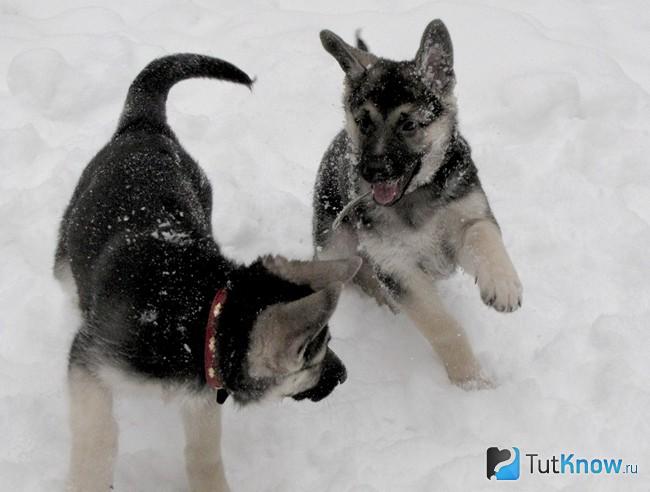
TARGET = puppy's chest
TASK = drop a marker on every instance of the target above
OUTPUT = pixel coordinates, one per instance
(397, 246)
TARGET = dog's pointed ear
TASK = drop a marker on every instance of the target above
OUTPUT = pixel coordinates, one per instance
(435, 57)
(353, 61)
(310, 313)
(316, 274)
(282, 331)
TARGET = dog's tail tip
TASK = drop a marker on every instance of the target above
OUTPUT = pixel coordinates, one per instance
(231, 73)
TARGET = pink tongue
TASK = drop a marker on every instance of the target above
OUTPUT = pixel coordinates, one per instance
(385, 193)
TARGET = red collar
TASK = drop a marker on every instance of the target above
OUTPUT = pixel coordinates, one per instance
(212, 376)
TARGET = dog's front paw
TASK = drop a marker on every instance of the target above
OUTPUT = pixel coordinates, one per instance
(500, 288)
(470, 377)
(480, 382)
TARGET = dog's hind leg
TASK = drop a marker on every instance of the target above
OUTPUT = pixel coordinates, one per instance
(202, 423)
(94, 432)
(421, 303)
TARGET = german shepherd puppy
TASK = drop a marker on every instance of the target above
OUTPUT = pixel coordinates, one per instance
(138, 241)
(398, 185)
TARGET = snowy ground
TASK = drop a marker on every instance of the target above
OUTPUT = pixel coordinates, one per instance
(555, 99)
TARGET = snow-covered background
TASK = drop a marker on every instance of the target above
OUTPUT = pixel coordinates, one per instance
(554, 98)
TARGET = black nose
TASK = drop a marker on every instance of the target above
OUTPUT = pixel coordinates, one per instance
(332, 374)
(374, 169)
(341, 374)
(333, 368)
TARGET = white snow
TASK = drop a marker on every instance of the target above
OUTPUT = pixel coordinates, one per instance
(554, 98)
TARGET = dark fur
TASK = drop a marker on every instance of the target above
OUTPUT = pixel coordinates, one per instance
(137, 236)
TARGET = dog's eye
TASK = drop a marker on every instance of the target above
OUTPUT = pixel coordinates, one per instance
(408, 126)
(364, 122)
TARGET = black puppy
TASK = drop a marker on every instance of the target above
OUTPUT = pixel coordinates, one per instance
(161, 304)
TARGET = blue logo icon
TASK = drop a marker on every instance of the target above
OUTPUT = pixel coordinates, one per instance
(503, 463)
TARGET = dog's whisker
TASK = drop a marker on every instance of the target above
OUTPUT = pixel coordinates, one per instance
(348, 208)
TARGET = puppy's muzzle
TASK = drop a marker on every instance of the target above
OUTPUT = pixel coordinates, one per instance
(332, 374)
(377, 169)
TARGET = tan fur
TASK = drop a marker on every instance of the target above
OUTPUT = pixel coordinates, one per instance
(424, 308)
(484, 256)
(93, 431)
(317, 274)
(434, 139)
(203, 463)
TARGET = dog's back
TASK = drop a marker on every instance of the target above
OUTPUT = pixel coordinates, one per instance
(136, 234)
(142, 186)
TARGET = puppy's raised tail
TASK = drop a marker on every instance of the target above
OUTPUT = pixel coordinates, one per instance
(145, 101)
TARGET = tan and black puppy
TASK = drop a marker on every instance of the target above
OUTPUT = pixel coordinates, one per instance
(161, 305)
(398, 184)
